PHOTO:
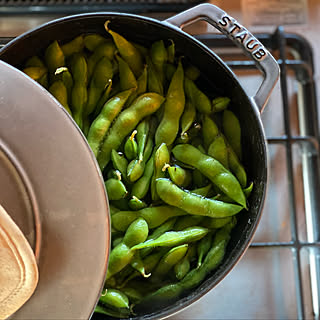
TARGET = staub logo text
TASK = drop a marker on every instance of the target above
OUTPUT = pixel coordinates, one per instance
(242, 35)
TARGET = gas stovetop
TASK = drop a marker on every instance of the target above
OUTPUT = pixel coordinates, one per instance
(279, 275)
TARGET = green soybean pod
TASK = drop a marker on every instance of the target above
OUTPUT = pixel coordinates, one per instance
(203, 247)
(101, 77)
(141, 85)
(54, 56)
(114, 298)
(65, 76)
(73, 46)
(169, 260)
(197, 97)
(188, 117)
(79, 94)
(155, 216)
(183, 266)
(217, 223)
(193, 203)
(213, 170)
(91, 41)
(137, 204)
(220, 103)
(103, 99)
(187, 222)
(154, 83)
(180, 176)
(135, 170)
(141, 186)
(119, 162)
(127, 78)
(101, 124)
(34, 61)
(115, 188)
(131, 146)
(157, 232)
(171, 51)
(127, 51)
(232, 131)
(59, 91)
(161, 158)
(174, 238)
(159, 56)
(192, 72)
(204, 191)
(104, 49)
(122, 254)
(35, 73)
(127, 120)
(209, 131)
(247, 191)
(173, 108)
(236, 167)
(219, 151)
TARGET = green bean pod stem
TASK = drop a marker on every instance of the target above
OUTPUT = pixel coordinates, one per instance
(212, 169)
(193, 203)
(127, 120)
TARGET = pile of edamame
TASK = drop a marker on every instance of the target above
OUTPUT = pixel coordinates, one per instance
(170, 156)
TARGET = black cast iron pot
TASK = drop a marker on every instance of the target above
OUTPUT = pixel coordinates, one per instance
(214, 74)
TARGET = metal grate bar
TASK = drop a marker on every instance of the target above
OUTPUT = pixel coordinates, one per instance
(290, 172)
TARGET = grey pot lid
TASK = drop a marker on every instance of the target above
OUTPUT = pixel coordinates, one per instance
(52, 187)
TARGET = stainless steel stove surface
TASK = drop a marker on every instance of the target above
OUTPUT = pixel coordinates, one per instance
(279, 275)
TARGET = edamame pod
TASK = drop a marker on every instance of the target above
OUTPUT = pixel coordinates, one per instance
(193, 203)
(59, 91)
(101, 77)
(218, 150)
(174, 238)
(154, 216)
(232, 131)
(114, 298)
(73, 46)
(212, 169)
(54, 56)
(127, 51)
(173, 108)
(197, 97)
(101, 124)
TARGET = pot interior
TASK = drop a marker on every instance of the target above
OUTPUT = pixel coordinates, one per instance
(216, 78)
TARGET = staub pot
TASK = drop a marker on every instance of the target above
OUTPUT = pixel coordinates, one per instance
(214, 74)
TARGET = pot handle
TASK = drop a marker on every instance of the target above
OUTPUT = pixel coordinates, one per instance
(241, 37)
